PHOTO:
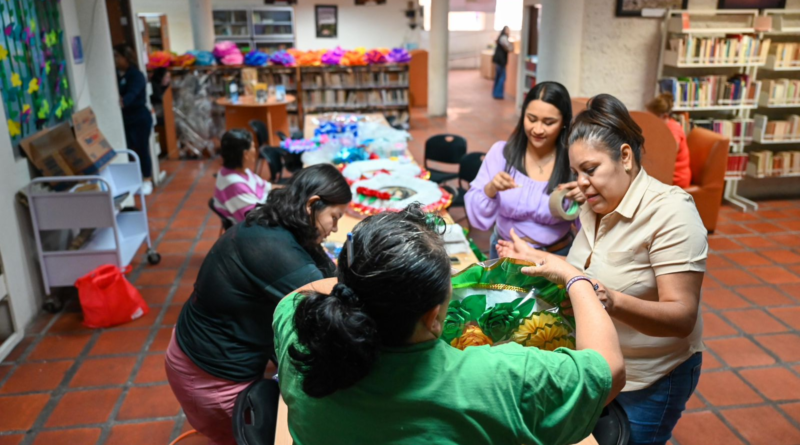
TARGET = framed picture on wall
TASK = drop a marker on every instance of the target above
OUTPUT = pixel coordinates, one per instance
(326, 18)
(751, 4)
(370, 2)
(648, 8)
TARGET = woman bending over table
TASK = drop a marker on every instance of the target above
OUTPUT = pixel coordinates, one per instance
(645, 246)
(223, 338)
(513, 187)
(362, 363)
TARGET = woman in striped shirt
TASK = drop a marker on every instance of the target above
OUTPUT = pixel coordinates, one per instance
(239, 190)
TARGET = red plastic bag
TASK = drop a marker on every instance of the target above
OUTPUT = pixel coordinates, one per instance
(108, 299)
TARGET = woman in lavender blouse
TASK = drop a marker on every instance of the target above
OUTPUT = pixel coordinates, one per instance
(512, 189)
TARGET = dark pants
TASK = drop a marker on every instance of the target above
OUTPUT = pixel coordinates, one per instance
(499, 81)
(137, 136)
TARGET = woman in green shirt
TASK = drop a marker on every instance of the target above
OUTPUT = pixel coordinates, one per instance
(363, 364)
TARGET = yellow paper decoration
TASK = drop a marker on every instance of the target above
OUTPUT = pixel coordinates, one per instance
(15, 80)
(33, 86)
(13, 128)
(3, 53)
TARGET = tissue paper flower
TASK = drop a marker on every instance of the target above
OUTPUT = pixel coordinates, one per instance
(15, 80)
(256, 58)
(376, 56)
(333, 57)
(353, 58)
(44, 110)
(473, 336)
(26, 112)
(282, 58)
(33, 86)
(398, 55)
(228, 53)
(183, 61)
(13, 128)
(540, 328)
(203, 58)
(233, 59)
(310, 58)
(3, 53)
(159, 59)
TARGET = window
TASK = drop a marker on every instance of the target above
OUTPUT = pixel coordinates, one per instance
(508, 13)
(458, 20)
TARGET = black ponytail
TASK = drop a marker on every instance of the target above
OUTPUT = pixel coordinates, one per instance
(399, 271)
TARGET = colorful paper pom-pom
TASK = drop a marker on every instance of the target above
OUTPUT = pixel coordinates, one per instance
(232, 59)
(203, 58)
(375, 57)
(282, 58)
(333, 57)
(256, 58)
(310, 58)
(353, 58)
(184, 60)
(159, 59)
(398, 55)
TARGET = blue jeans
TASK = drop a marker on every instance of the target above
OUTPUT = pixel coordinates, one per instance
(499, 81)
(654, 411)
(493, 246)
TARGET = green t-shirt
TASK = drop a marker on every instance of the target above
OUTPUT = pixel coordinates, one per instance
(434, 393)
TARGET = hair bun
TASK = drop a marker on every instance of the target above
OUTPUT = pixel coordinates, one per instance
(344, 294)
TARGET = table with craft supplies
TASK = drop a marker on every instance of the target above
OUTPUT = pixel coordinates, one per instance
(271, 112)
(312, 121)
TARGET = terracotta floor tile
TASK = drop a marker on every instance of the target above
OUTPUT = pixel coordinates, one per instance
(167, 262)
(145, 321)
(694, 403)
(189, 276)
(19, 350)
(120, 342)
(103, 371)
(5, 370)
(161, 341)
(789, 315)
(740, 216)
(160, 211)
(722, 299)
(171, 316)
(156, 277)
(775, 275)
(152, 370)
(141, 433)
(149, 402)
(747, 259)
(777, 384)
(733, 277)
(790, 289)
(180, 235)
(785, 346)
(154, 294)
(703, 428)
(720, 244)
(772, 214)
(714, 326)
(182, 294)
(81, 436)
(18, 413)
(54, 347)
(12, 439)
(740, 352)
(792, 410)
(791, 225)
(764, 296)
(715, 261)
(755, 321)
(175, 247)
(764, 228)
(69, 322)
(84, 407)
(210, 233)
(39, 323)
(41, 376)
(732, 229)
(763, 426)
(783, 256)
(787, 240)
(204, 246)
(726, 389)
(184, 223)
(756, 242)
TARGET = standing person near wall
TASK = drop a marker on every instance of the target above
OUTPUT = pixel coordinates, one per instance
(136, 117)
(500, 60)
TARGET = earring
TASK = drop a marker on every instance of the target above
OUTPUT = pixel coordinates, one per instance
(627, 170)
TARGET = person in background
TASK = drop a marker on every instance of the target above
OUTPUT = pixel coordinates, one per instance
(238, 189)
(137, 119)
(661, 106)
(223, 338)
(645, 246)
(360, 360)
(513, 186)
(500, 60)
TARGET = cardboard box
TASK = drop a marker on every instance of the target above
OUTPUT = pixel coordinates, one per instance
(57, 151)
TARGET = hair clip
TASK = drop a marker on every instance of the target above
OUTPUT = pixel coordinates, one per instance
(350, 249)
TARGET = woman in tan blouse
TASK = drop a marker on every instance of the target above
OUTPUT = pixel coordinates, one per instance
(643, 244)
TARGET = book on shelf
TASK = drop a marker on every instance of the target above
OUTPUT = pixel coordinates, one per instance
(766, 163)
(732, 49)
(736, 130)
(709, 91)
(783, 130)
(737, 165)
(783, 91)
(787, 54)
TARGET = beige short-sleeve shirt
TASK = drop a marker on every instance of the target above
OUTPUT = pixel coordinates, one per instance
(654, 231)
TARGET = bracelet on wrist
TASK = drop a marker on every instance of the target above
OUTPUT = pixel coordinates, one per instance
(575, 280)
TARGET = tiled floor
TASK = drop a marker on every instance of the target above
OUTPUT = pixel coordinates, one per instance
(65, 384)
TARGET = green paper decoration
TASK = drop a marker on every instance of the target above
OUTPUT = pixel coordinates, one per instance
(32, 67)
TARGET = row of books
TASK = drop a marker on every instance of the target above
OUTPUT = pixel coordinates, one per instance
(766, 163)
(783, 91)
(289, 81)
(711, 91)
(341, 98)
(737, 130)
(732, 49)
(786, 54)
(737, 165)
(356, 79)
(784, 130)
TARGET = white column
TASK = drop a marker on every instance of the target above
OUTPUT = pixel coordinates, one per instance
(202, 24)
(560, 38)
(437, 60)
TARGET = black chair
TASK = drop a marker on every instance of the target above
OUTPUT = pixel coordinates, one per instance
(260, 130)
(613, 427)
(446, 149)
(226, 223)
(255, 413)
(274, 158)
(468, 169)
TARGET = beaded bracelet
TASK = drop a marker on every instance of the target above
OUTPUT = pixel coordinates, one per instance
(575, 280)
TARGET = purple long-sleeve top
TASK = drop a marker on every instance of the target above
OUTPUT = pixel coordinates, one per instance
(525, 208)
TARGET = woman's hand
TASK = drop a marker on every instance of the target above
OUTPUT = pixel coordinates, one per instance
(605, 296)
(574, 193)
(553, 268)
(516, 248)
(501, 182)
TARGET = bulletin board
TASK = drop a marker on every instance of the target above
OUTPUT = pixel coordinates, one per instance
(33, 68)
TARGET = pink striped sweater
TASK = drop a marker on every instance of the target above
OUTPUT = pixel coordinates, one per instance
(238, 193)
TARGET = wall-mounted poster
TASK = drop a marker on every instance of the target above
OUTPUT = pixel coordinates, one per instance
(33, 68)
(751, 4)
(648, 8)
(327, 20)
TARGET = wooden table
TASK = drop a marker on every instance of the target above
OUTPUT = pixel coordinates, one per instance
(272, 112)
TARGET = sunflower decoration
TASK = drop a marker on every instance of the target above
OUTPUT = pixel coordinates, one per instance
(541, 328)
(472, 336)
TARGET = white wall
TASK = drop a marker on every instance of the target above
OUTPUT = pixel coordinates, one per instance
(90, 87)
(178, 20)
